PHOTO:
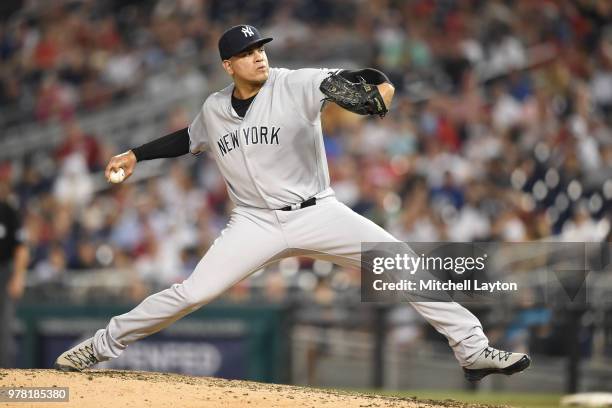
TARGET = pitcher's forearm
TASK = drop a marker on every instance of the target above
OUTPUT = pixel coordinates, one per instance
(172, 145)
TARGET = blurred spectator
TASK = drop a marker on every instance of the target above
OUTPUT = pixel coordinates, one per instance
(509, 227)
(73, 185)
(77, 142)
(582, 228)
(52, 268)
(13, 263)
(32, 183)
(448, 193)
(471, 223)
(55, 100)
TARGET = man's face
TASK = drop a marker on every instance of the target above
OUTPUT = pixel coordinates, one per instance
(250, 65)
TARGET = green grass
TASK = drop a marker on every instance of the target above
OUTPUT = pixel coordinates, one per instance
(523, 400)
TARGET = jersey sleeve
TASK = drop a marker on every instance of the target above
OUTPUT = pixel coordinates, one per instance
(304, 87)
(198, 140)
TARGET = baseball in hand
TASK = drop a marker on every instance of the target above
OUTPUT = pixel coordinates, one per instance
(117, 176)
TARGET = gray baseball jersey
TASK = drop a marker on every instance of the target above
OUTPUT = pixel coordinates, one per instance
(274, 156)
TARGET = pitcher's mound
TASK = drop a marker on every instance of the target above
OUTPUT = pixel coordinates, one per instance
(103, 388)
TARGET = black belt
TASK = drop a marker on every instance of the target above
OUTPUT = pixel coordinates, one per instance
(303, 204)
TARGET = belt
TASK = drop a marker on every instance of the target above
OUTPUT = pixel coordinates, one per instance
(303, 204)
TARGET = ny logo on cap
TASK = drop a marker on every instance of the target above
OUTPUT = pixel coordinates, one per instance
(247, 31)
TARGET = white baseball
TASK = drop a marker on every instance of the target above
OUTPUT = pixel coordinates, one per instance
(117, 176)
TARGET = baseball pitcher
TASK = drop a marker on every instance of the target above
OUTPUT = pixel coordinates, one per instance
(264, 132)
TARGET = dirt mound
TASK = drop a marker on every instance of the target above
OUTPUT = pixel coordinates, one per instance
(102, 388)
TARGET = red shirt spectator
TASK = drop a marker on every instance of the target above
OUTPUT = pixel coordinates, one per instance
(77, 141)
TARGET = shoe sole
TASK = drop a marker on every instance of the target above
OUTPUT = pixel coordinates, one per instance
(477, 375)
(65, 368)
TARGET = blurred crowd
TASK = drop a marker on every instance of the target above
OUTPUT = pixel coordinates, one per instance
(501, 128)
(61, 58)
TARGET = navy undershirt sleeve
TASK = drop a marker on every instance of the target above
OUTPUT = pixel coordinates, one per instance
(172, 145)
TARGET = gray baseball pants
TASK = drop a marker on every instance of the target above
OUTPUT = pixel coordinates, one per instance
(254, 238)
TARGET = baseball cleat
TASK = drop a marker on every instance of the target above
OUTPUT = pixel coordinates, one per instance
(493, 361)
(77, 358)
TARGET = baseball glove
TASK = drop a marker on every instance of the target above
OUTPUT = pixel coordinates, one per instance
(358, 97)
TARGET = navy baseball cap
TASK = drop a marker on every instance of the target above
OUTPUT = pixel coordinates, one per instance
(239, 38)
